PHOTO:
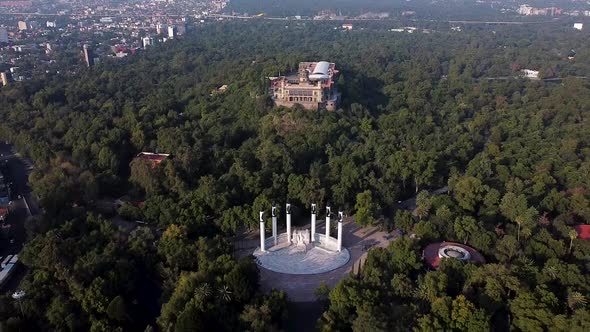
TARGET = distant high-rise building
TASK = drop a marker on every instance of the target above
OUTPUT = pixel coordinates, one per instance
(160, 28)
(88, 56)
(171, 31)
(22, 25)
(4, 78)
(3, 35)
(181, 29)
(147, 41)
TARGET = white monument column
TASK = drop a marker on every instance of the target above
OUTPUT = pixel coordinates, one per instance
(262, 231)
(274, 224)
(288, 209)
(327, 222)
(313, 214)
(340, 217)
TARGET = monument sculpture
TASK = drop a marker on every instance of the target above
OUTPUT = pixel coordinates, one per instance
(288, 211)
(274, 223)
(262, 243)
(301, 251)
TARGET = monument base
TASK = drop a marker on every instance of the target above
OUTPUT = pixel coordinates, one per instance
(312, 261)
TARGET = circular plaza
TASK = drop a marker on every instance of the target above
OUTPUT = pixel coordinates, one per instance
(434, 253)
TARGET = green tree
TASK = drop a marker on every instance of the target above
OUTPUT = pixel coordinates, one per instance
(365, 208)
(117, 310)
(404, 221)
(423, 204)
(468, 191)
(465, 227)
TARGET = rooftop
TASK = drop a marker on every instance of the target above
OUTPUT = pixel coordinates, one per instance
(432, 253)
(155, 158)
(583, 231)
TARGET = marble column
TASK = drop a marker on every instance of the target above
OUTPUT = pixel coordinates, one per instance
(262, 231)
(328, 215)
(313, 215)
(288, 209)
(274, 224)
(340, 218)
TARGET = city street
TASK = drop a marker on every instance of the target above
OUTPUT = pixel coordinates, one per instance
(16, 172)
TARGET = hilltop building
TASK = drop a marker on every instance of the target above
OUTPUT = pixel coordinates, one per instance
(312, 87)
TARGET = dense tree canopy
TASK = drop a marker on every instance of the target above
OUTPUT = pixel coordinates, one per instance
(418, 113)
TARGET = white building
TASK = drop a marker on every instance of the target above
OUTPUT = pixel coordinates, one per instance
(525, 10)
(51, 24)
(171, 31)
(147, 41)
(3, 35)
(528, 73)
(22, 25)
(4, 81)
(578, 26)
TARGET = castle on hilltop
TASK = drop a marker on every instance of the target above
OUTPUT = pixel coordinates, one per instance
(312, 87)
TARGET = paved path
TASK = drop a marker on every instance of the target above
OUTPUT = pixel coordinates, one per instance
(410, 203)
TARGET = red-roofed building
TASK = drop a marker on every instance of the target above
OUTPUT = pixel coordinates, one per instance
(583, 231)
(435, 252)
(154, 158)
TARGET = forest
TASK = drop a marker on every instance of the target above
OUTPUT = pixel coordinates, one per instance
(419, 112)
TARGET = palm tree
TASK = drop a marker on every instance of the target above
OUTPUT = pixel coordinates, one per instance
(573, 235)
(526, 232)
(519, 221)
(225, 293)
(203, 291)
(552, 271)
(576, 300)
